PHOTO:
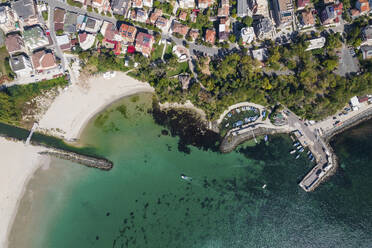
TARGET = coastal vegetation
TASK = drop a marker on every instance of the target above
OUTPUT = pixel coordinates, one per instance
(13, 99)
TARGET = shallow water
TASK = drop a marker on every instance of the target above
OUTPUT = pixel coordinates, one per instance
(143, 202)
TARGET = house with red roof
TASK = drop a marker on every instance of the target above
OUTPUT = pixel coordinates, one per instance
(128, 33)
(144, 43)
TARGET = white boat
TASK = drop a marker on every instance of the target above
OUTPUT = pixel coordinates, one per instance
(264, 186)
(184, 177)
(298, 156)
(293, 151)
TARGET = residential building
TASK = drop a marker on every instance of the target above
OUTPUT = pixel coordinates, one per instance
(14, 43)
(144, 43)
(59, 15)
(224, 9)
(264, 29)
(182, 16)
(186, 4)
(203, 4)
(338, 8)
(43, 60)
(121, 7)
(110, 32)
(92, 25)
(366, 52)
(242, 8)
(194, 33)
(155, 15)
(128, 33)
(179, 28)
(181, 52)
(329, 16)
(141, 15)
(34, 38)
(86, 40)
(247, 35)
(3, 15)
(328, 1)
(8, 20)
(148, 3)
(367, 36)
(137, 4)
(162, 23)
(193, 16)
(21, 65)
(283, 10)
(260, 54)
(101, 5)
(362, 6)
(210, 36)
(307, 19)
(260, 8)
(316, 43)
(25, 11)
(224, 29)
(63, 41)
(70, 23)
(301, 4)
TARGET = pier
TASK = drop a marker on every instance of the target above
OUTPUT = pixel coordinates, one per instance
(31, 133)
(314, 137)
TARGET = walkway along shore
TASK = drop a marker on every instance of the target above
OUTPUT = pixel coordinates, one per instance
(316, 141)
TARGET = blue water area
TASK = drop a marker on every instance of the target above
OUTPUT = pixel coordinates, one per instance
(144, 202)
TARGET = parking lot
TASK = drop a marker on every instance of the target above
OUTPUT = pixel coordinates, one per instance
(348, 61)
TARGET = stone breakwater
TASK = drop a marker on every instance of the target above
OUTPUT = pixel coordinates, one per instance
(99, 163)
(230, 142)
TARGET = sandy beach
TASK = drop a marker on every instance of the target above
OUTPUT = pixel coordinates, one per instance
(77, 104)
(18, 164)
(65, 117)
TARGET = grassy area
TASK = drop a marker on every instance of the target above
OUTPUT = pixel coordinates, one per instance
(13, 99)
(156, 54)
(5, 70)
(45, 15)
(181, 67)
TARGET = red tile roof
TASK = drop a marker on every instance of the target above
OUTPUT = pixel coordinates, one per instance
(210, 36)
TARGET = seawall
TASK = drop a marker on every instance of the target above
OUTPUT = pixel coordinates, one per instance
(230, 142)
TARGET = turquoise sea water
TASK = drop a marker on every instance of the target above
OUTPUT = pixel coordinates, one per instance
(143, 202)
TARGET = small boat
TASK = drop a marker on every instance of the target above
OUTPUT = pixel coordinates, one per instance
(266, 138)
(298, 156)
(184, 177)
(293, 151)
(296, 144)
(312, 160)
(299, 147)
(308, 152)
(301, 150)
(264, 186)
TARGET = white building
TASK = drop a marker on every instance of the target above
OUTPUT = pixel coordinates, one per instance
(21, 65)
(260, 54)
(316, 43)
(354, 102)
(247, 35)
(186, 4)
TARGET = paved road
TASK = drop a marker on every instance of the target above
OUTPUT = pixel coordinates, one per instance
(54, 3)
(58, 50)
(311, 138)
